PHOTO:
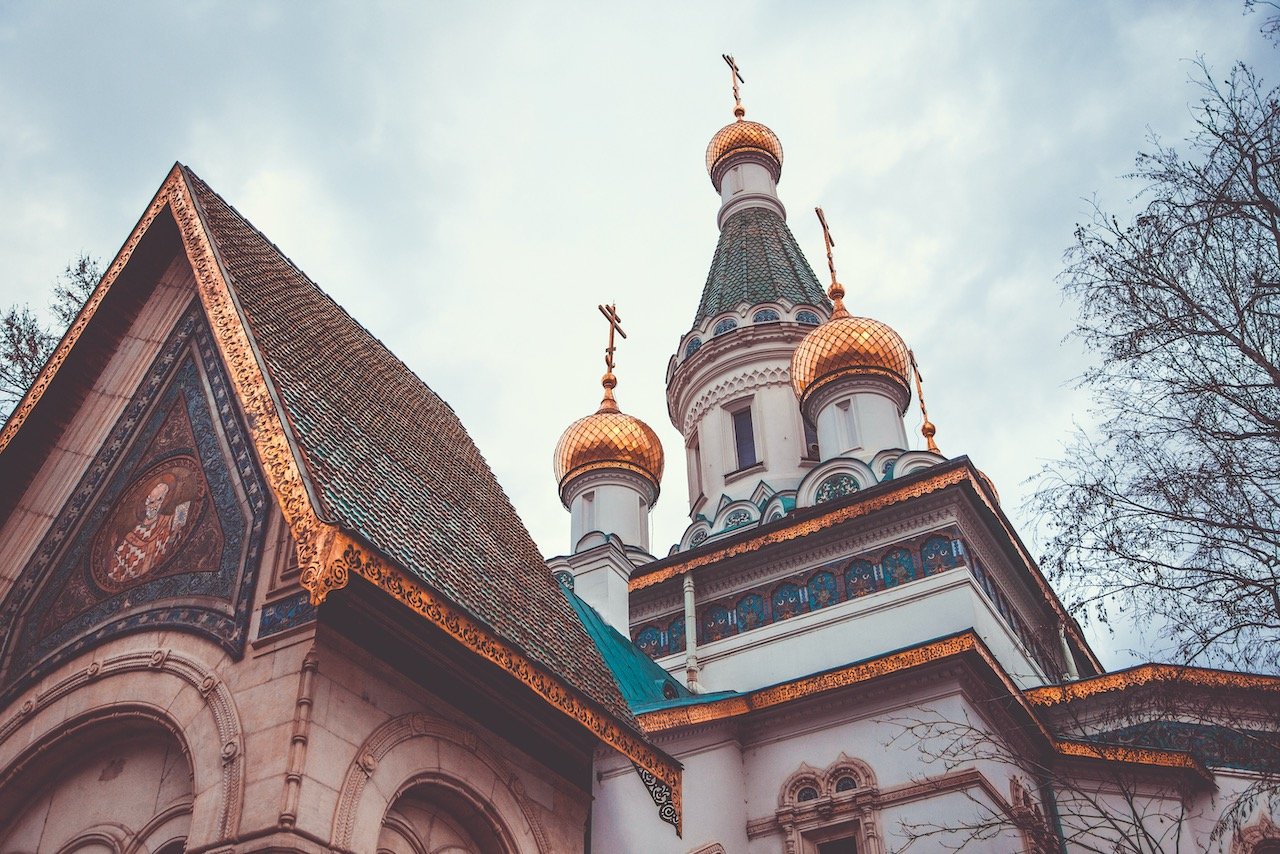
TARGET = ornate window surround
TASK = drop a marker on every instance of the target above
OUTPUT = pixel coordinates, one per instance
(832, 815)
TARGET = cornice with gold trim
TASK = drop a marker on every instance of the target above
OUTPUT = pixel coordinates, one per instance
(348, 555)
(798, 689)
(1147, 674)
(805, 528)
(1132, 755)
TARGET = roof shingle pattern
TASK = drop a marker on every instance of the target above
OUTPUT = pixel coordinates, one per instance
(392, 462)
(756, 261)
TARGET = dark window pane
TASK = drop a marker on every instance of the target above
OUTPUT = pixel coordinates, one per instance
(745, 437)
(810, 441)
(838, 846)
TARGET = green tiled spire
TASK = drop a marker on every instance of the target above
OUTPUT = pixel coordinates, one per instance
(757, 260)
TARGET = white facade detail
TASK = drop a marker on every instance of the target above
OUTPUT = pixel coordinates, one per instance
(612, 502)
(748, 183)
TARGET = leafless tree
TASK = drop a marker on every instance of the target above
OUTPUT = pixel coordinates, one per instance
(1053, 808)
(26, 343)
(1092, 797)
(1168, 511)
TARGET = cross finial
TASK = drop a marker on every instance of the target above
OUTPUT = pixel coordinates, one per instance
(836, 292)
(735, 77)
(926, 429)
(609, 381)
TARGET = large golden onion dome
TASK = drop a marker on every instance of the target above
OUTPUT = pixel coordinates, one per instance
(608, 439)
(847, 345)
(743, 136)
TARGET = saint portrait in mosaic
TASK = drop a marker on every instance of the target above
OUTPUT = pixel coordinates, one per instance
(149, 524)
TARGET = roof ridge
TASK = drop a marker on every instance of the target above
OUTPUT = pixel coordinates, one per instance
(205, 186)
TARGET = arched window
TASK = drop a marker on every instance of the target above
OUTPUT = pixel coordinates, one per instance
(836, 486)
(726, 325)
(787, 601)
(897, 567)
(822, 591)
(808, 318)
(860, 579)
(692, 347)
(716, 623)
(750, 611)
(807, 793)
(675, 635)
(937, 555)
(846, 784)
(765, 315)
(649, 639)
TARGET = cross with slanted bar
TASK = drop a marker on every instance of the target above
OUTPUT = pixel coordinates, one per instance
(735, 77)
(827, 239)
(610, 313)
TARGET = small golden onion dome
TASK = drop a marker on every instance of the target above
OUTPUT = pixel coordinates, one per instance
(743, 135)
(608, 439)
(847, 345)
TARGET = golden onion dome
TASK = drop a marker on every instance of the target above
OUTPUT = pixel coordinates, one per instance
(743, 136)
(846, 345)
(608, 439)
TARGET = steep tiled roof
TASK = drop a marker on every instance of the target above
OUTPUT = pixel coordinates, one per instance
(757, 260)
(391, 461)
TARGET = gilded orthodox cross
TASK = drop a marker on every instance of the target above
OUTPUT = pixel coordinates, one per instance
(926, 429)
(610, 313)
(836, 291)
(735, 77)
(609, 381)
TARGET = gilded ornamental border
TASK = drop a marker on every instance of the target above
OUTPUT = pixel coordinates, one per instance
(1147, 674)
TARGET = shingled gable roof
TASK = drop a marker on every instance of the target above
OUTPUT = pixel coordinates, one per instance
(757, 260)
(391, 461)
(375, 473)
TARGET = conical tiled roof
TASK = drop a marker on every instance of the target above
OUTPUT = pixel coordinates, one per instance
(757, 261)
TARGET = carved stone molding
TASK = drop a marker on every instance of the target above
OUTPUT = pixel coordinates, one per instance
(353, 556)
(731, 387)
(1247, 839)
(421, 726)
(217, 699)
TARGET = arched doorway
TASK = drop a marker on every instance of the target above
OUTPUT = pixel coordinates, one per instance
(111, 787)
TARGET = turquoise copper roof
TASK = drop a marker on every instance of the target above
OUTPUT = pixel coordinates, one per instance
(643, 683)
(757, 260)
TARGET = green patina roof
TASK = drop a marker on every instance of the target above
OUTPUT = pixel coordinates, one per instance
(643, 683)
(757, 260)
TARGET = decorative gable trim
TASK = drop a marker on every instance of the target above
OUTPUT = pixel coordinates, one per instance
(326, 554)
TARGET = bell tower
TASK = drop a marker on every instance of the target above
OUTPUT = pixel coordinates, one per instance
(728, 384)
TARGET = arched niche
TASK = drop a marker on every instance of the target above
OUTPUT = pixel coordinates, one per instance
(444, 817)
(445, 766)
(120, 784)
(120, 690)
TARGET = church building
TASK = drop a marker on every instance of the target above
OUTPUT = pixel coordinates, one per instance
(248, 563)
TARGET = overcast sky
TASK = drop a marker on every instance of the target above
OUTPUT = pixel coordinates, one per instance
(470, 180)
